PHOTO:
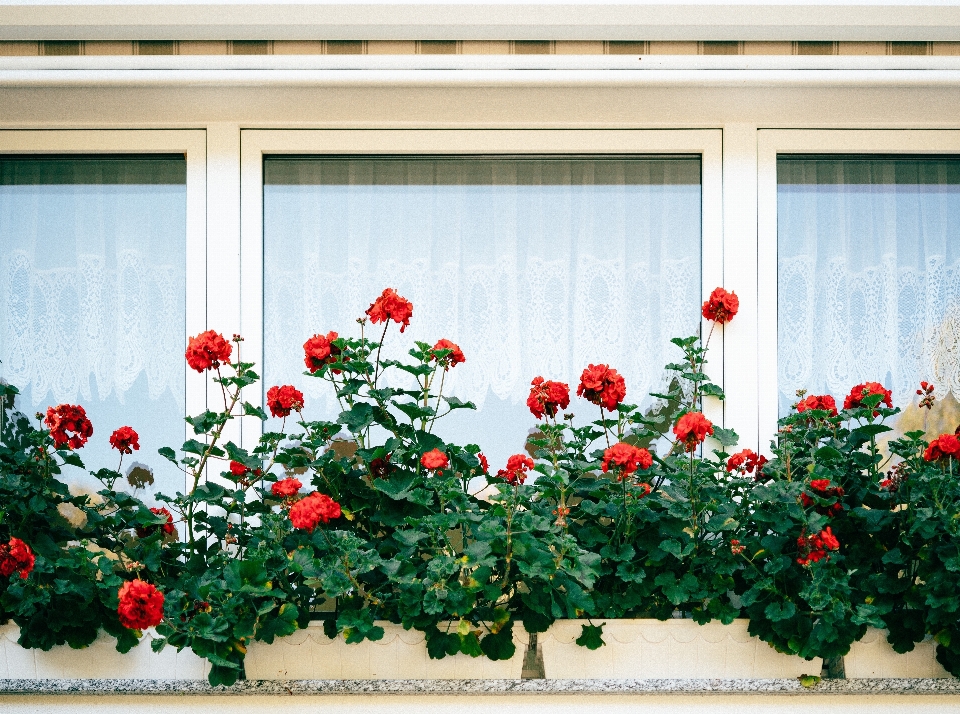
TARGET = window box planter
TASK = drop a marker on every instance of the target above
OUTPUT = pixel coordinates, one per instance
(98, 661)
(873, 657)
(669, 649)
(400, 654)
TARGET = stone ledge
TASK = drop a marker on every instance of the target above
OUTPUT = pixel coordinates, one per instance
(479, 687)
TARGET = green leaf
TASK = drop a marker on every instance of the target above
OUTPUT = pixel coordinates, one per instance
(809, 681)
(726, 437)
(358, 418)
(168, 453)
(776, 612)
(250, 410)
(591, 637)
(499, 646)
(455, 403)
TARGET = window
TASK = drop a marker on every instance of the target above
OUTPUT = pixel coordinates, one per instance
(535, 264)
(93, 296)
(859, 274)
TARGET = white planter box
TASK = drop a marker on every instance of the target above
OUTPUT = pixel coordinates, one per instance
(669, 649)
(401, 654)
(873, 657)
(98, 661)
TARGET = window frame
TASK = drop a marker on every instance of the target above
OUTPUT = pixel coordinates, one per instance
(255, 144)
(770, 144)
(189, 142)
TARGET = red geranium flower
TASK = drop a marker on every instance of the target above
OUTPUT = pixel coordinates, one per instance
(722, 306)
(207, 350)
(601, 385)
(546, 397)
(68, 418)
(626, 458)
(283, 400)
(320, 350)
(451, 360)
(484, 464)
(823, 403)
(861, 391)
(238, 469)
(125, 440)
(813, 548)
(141, 605)
(16, 557)
(167, 527)
(434, 460)
(517, 467)
(944, 446)
(316, 508)
(390, 306)
(691, 429)
(286, 488)
(821, 487)
(746, 462)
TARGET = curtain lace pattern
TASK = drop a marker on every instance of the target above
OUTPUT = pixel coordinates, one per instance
(532, 267)
(868, 275)
(92, 293)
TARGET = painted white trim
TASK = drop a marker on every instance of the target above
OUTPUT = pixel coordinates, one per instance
(580, 78)
(489, 20)
(192, 144)
(255, 144)
(770, 143)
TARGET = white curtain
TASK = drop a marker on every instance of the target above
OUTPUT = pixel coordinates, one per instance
(533, 266)
(868, 275)
(93, 261)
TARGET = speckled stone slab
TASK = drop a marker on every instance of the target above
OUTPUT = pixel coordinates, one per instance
(490, 687)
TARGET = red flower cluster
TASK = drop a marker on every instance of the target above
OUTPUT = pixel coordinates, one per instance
(435, 460)
(286, 488)
(813, 548)
(141, 605)
(283, 400)
(691, 429)
(207, 350)
(862, 391)
(746, 462)
(67, 418)
(601, 385)
(238, 469)
(390, 306)
(320, 350)
(125, 440)
(16, 557)
(517, 467)
(821, 487)
(944, 446)
(316, 508)
(895, 478)
(626, 458)
(451, 360)
(547, 397)
(484, 464)
(822, 403)
(736, 548)
(167, 527)
(381, 468)
(722, 306)
(926, 395)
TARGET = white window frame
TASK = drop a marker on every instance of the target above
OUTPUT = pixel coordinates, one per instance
(771, 143)
(257, 143)
(190, 143)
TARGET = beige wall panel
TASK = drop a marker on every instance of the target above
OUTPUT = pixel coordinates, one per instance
(298, 47)
(211, 47)
(578, 48)
(485, 47)
(91, 47)
(391, 47)
(674, 48)
(861, 48)
(946, 48)
(768, 48)
(19, 49)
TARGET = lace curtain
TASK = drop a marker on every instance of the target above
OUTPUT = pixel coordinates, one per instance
(868, 275)
(92, 274)
(533, 266)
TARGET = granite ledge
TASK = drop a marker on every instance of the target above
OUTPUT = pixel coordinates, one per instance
(490, 687)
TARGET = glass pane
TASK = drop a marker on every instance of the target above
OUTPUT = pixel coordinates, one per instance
(93, 260)
(534, 266)
(868, 274)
